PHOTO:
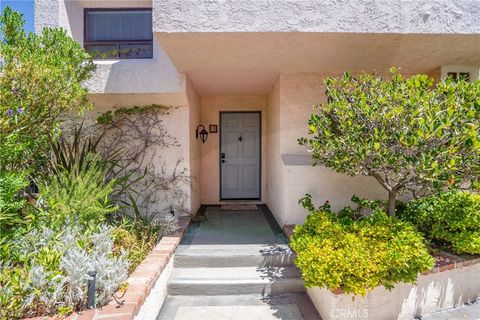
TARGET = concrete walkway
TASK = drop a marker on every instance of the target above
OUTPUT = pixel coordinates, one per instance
(465, 312)
(236, 265)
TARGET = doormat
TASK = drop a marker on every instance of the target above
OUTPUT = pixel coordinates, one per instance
(239, 207)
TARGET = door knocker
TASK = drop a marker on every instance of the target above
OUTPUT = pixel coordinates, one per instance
(240, 138)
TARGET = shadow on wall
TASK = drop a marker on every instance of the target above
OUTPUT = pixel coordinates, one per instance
(433, 292)
(148, 158)
(156, 75)
(442, 292)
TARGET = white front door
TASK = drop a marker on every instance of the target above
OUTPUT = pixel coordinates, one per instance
(240, 155)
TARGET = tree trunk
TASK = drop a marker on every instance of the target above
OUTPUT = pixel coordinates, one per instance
(392, 201)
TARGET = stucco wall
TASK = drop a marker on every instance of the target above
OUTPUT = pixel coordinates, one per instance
(298, 94)
(210, 114)
(433, 292)
(46, 14)
(68, 14)
(194, 147)
(376, 16)
(154, 75)
(176, 124)
(275, 189)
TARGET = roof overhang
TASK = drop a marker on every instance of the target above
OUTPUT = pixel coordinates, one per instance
(231, 63)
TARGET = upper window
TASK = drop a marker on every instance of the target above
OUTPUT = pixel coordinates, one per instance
(459, 75)
(458, 71)
(119, 33)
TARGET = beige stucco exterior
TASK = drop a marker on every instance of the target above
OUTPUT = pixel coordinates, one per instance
(176, 122)
(195, 156)
(290, 171)
(213, 56)
(210, 165)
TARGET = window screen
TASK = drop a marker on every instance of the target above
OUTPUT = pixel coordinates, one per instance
(119, 33)
(456, 76)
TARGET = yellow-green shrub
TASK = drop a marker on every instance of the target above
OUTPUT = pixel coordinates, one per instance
(138, 243)
(357, 255)
(452, 217)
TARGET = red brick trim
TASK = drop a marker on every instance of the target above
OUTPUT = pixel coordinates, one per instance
(288, 229)
(140, 282)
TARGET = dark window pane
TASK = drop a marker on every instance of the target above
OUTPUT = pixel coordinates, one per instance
(119, 33)
(464, 76)
(136, 26)
(136, 51)
(452, 75)
(119, 25)
(102, 51)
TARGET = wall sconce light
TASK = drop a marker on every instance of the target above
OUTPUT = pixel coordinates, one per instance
(203, 133)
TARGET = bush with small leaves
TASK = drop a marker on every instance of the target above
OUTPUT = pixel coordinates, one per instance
(41, 78)
(11, 200)
(357, 254)
(110, 270)
(79, 196)
(166, 224)
(450, 217)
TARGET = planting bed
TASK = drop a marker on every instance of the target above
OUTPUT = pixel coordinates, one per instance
(128, 302)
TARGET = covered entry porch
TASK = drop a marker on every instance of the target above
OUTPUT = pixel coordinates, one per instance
(280, 75)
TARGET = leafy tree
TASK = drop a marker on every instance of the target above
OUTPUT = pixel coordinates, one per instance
(410, 134)
(41, 77)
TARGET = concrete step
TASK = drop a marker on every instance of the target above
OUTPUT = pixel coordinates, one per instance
(240, 280)
(291, 306)
(215, 256)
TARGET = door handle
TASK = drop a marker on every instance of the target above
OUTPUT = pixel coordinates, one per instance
(223, 160)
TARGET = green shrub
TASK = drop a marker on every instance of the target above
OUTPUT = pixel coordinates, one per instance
(41, 78)
(51, 239)
(11, 201)
(452, 217)
(13, 290)
(137, 244)
(357, 255)
(78, 196)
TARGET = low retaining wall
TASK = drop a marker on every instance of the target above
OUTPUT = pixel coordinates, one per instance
(140, 282)
(452, 282)
(445, 287)
(433, 292)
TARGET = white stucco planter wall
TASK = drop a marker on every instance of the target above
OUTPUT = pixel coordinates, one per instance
(434, 291)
